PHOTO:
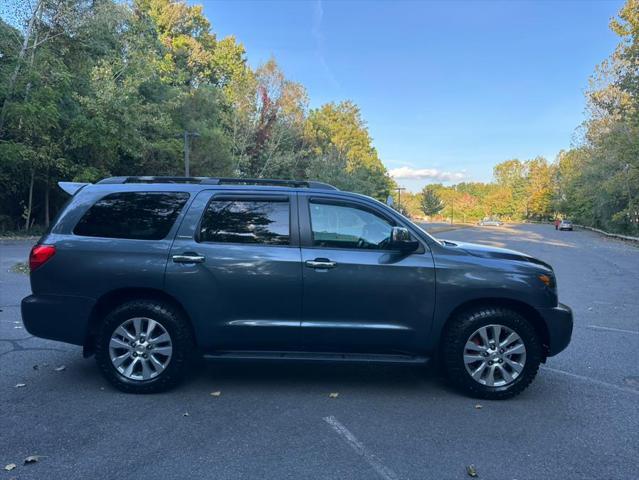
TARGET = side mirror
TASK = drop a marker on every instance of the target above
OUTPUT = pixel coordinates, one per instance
(402, 240)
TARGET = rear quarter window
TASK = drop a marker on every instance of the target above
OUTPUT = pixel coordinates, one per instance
(132, 215)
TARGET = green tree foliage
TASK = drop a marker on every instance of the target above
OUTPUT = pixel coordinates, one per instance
(341, 150)
(598, 182)
(431, 203)
(92, 88)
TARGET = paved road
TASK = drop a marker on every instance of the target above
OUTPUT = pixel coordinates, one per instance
(578, 420)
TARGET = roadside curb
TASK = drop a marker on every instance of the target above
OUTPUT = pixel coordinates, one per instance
(627, 238)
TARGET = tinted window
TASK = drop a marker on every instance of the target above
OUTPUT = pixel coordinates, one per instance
(246, 221)
(135, 215)
(348, 227)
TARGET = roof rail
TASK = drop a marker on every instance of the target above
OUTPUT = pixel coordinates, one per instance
(221, 181)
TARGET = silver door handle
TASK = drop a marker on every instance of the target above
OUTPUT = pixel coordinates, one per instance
(320, 264)
(188, 259)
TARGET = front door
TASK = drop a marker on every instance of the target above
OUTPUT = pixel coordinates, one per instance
(360, 295)
(236, 267)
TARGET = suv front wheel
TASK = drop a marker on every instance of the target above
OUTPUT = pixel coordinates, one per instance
(144, 346)
(491, 353)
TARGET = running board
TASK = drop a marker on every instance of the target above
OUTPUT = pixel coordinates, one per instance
(319, 357)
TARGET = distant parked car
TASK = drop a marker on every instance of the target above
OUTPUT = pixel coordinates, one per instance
(490, 222)
(565, 225)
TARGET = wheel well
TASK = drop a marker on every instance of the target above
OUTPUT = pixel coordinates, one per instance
(525, 310)
(112, 299)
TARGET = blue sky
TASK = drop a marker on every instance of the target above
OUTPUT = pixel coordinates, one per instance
(448, 89)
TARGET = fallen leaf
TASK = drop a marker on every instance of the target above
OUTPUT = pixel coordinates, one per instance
(35, 367)
(10, 467)
(333, 395)
(32, 459)
(216, 394)
(20, 385)
(185, 414)
(471, 471)
(478, 406)
(60, 368)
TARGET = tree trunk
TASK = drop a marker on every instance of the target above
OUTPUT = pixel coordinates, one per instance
(47, 219)
(27, 223)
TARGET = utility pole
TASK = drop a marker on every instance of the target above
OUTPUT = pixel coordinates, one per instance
(399, 198)
(452, 206)
(187, 151)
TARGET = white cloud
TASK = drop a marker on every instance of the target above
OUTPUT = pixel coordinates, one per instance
(432, 174)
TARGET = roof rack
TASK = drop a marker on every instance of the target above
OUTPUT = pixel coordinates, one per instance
(221, 181)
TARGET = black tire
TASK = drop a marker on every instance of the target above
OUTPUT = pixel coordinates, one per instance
(458, 333)
(182, 342)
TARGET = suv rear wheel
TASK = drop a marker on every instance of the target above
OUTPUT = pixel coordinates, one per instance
(144, 346)
(491, 353)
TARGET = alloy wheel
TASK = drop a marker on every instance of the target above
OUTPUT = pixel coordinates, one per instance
(494, 355)
(140, 348)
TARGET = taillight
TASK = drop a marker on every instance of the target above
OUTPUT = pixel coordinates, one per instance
(39, 255)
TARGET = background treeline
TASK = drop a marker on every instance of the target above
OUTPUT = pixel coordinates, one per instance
(595, 183)
(94, 88)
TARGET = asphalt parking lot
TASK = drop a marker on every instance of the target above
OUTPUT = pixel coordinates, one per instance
(579, 419)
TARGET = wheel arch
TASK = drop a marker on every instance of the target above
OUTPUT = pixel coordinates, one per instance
(525, 310)
(114, 298)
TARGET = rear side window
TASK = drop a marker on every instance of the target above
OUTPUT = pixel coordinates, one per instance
(134, 215)
(246, 221)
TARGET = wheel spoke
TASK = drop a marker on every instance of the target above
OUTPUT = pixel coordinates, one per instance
(164, 337)
(479, 371)
(137, 325)
(473, 358)
(484, 336)
(124, 333)
(163, 351)
(509, 339)
(490, 378)
(505, 374)
(516, 366)
(119, 360)
(517, 349)
(117, 343)
(159, 366)
(150, 326)
(496, 334)
(474, 347)
(128, 371)
(146, 370)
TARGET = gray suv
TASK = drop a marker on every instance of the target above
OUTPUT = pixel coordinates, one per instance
(148, 273)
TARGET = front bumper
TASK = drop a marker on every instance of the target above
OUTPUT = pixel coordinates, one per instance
(559, 323)
(57, 317)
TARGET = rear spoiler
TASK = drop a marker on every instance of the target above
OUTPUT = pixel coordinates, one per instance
(72, 187)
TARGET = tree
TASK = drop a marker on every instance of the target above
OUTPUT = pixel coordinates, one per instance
(337, 135)
(431, 203)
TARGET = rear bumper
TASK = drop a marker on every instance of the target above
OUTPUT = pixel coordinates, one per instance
(57, 317)
(559, 323)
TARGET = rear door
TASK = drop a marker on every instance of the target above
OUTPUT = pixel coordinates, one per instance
(236, 266)
(359, 295)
